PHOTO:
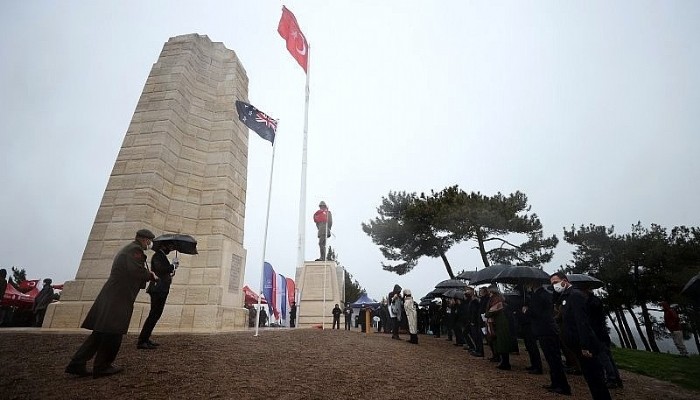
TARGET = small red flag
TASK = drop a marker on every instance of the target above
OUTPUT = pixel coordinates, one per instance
(297, 45)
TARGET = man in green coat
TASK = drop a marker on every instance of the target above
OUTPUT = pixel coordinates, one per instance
(110, 314)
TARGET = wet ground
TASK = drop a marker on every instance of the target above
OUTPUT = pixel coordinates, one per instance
(284, 364)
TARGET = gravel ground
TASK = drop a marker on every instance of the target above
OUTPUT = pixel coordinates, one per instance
(284, 364)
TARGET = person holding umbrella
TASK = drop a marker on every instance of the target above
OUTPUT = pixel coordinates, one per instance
(578, 334)
(110, 314)
(158, 290)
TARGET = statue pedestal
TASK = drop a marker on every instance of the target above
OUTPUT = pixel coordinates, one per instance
(321, 285)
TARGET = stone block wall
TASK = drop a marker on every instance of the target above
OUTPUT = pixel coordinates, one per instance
(182, 168)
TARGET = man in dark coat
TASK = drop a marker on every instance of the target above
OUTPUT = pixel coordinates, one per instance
(3, 287)
(161, 266)
(347, 312)
(540, 314)
(110, 314)
(336, 316)
(475, 323)
(578, 334)
(293, 314)
(42, 301)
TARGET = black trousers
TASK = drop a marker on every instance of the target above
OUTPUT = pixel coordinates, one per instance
(459, 334)
(336, 323)
(532, 350)
(292, 322)
(478, 339)
(394, 327)
(593, 373)
(347, 323)
(552, 354)
(157, 306)
(103, 346)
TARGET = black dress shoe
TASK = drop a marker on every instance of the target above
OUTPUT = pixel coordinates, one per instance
(495, 359)
(477, 354)
(154, 344)
(535, 372)
(145, 346)
(503, 367)
(77, 369)
(111, 370)
(547, 387)
(557, 390)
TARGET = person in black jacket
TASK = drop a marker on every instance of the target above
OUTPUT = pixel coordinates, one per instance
(578, 334)
(605, 357)
(540, 314)
(529, 338)
(158, 290)
(474, 322)
(459, 317)
(336, 317)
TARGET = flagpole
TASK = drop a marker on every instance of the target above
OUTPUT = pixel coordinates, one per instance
(267, 220)
(301, 245)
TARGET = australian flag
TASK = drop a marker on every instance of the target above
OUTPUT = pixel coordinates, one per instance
(256, 120)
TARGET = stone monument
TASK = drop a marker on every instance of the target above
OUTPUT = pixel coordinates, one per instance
(321, 284)
(182, 168)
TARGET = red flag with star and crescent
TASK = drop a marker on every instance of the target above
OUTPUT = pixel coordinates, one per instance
(297, 45)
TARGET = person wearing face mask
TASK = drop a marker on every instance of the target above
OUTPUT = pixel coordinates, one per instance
(110, 314)
(579, 336)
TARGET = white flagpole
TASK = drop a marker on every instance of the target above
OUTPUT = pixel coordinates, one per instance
(301, 245)
(267, 220)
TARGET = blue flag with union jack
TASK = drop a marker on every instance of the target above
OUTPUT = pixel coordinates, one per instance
(257, 121)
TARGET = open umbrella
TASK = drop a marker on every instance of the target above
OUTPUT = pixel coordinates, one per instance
(454, 293)
(183, 243)
(521, 275)
(438, 292)
(466, 275)
(692, 288)
(487, 274)
(451, 284)
(584, 281)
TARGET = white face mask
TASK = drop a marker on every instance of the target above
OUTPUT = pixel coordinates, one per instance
(149, 246)
(559, 288)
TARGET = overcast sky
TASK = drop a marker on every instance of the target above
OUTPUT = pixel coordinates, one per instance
(590, 108)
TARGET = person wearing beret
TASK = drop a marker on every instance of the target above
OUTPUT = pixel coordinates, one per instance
(110, 314)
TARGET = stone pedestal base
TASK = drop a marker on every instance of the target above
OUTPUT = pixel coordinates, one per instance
(175, 318)
(310, 279)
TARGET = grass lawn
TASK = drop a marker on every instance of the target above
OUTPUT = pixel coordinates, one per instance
(684, 371)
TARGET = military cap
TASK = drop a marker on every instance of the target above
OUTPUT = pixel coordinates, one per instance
(145, 233)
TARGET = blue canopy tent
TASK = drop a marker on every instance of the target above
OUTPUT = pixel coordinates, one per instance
(364, 300)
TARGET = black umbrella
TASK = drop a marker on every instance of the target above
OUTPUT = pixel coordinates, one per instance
(437, 292)
(451, 284)
(183, 243)
(692, 288)
(487, 274)
(455, 294)
(466, 275)
(585, 281)
(424, 303)
(521, 275)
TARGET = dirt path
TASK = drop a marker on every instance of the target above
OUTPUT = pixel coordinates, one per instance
(285, 364)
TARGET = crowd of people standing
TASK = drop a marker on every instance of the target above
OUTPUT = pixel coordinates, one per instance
(566, 325)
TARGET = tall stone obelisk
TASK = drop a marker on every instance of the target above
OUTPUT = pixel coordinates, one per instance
(182, 168)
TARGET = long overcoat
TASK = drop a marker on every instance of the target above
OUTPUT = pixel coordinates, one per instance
(112, 309)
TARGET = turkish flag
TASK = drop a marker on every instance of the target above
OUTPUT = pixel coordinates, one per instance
(297, 45)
